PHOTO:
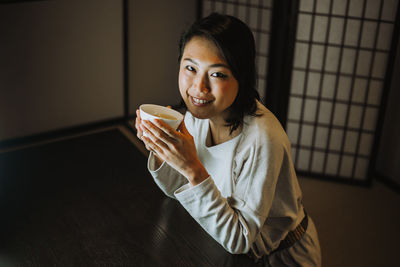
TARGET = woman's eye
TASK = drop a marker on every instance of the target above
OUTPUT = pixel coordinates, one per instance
(190, 68)
(219, 75)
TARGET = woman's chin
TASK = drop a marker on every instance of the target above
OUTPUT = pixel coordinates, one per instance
(199, 115)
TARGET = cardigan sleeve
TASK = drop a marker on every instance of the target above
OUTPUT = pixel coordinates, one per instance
(236, 221)
(166, 177)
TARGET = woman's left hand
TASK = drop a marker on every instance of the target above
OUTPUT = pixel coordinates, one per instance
(177, 148)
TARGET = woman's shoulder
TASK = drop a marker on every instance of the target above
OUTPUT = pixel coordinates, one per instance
(264, 128)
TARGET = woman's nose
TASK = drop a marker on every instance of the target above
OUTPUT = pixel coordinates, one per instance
(202, 85)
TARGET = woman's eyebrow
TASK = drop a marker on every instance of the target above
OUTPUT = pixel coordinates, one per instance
(191, 60)
(216, 65)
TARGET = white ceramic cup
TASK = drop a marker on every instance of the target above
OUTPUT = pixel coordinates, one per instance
(151, 112)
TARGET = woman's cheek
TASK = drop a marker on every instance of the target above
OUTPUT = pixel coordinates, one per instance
(184, 81)
(228, 91)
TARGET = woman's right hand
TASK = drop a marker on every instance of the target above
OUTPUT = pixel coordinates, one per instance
(139, 134)
(139, 128)
(138, 122)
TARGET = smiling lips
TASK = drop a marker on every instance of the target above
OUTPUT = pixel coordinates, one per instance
(199, 102)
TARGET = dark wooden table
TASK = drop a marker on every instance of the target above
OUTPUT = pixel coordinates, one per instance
(89, 201)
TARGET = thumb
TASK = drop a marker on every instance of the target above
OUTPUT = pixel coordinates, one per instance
(182, 128)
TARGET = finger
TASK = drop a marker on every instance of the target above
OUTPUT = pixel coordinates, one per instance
(156, 136)
(160, 131)
(166, 128)
(182, 128)
(139, 131)
(149, 145)
(138, 119)
(155, 145)
(139, 125)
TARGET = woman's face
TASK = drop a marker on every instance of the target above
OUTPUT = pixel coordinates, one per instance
(206, 83)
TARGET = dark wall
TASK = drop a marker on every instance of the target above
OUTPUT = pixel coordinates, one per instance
(60, 65)
(154, 30)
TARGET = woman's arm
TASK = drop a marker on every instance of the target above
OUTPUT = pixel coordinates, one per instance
(177, 148)
(167, 178)
(236, 222)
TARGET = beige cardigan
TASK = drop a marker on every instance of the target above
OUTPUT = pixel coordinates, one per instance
(252, 197)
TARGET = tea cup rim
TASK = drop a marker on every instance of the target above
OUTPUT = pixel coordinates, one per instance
(169, 111)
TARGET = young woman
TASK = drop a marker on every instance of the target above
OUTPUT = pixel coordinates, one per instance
(229, 164)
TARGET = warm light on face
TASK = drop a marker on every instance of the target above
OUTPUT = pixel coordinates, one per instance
(206, 82)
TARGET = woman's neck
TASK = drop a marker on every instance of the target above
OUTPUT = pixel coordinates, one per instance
(220, 133)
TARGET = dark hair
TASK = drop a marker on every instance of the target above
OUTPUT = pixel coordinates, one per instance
(236, 44)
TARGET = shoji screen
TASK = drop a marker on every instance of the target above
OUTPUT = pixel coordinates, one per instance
(341, 54)
(257, 14)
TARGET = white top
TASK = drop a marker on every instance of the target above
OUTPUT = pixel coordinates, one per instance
(252, 197)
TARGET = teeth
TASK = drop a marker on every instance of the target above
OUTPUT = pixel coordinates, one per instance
(199, 101)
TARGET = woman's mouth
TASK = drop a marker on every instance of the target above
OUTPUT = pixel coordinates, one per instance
(199, 101)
